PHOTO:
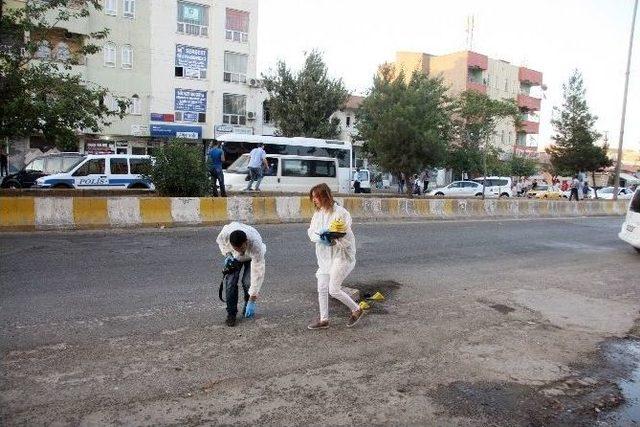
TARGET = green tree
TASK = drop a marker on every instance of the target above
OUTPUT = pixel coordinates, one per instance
(522, 166)
(301, 104)
(574, 146)
(405, 125)
(179, 170)
(477, 116)
(41, 95)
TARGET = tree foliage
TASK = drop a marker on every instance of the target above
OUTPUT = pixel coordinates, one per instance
(522, 166)
(42, 95)
(476, 118)
(405, 124)
(574, 146)
(179, 171)
(301, 104)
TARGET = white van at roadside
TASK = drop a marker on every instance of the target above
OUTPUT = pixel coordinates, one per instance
(286, 173)
(103, 172)
(496, 186)
(630, 231)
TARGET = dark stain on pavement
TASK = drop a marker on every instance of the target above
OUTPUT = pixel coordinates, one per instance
(503, 309)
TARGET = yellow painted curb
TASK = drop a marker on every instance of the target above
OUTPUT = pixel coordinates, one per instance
(90, 212)
(17, 213)
(213, 210)
(264, 208)
(155, 211)
(306, 208)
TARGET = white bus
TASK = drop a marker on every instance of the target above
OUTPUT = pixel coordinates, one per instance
(235, 145)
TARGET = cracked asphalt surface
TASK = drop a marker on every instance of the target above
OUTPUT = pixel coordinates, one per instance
(484, 322)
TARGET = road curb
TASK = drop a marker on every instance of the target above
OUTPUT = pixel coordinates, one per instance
(47, 213)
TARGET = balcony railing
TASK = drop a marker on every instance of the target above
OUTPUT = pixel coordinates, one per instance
(478, 87)
(529, 127)
(530, 77)
(475, 60)
(528, 102)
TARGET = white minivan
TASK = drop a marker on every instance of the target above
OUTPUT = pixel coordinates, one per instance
(103, 172)
(286, 173)
(496, 186)
(630, 231)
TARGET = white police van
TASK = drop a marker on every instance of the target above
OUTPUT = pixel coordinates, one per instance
(103, 172)
(630, 231)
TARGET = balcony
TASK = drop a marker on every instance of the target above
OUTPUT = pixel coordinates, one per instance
(530, 77)
(528, 102)
(529, 127)
(477, 87)
(475, 60)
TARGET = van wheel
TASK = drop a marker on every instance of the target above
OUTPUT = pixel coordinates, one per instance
(504, 196)
(439, 194)
(138, 186)
(62, 186)
(14, 185)
(479, 195)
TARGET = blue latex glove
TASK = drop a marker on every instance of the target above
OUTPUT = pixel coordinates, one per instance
(251, 309)
(228, 261)
(324, 238)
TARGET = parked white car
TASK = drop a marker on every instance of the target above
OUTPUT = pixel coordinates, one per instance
(364, 178)
(103, 172)
(630, 231)
(606, 193)
(286, 173)
(459, 189)
(497, 186)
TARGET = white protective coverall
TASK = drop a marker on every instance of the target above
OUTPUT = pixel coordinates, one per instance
(334, 262)
(255, 252)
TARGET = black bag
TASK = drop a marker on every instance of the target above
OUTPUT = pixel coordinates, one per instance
(234, 266)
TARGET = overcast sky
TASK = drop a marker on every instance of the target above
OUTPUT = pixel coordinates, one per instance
(552, 36)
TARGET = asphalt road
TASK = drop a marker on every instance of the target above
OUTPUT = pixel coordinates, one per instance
(125, 326)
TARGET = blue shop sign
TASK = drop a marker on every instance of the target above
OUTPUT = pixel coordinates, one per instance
(175, 131)
(191, 100)
(192, 59)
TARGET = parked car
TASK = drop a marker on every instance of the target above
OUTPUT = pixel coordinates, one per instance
(496, 186)
(103, 172)
(364, 178)
(544, 191)
(286, 173)
(39, 167)
(630, 231)
(606, 193)
(458, 188)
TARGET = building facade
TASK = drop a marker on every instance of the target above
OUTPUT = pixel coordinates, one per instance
(188, 69)
(496, 78)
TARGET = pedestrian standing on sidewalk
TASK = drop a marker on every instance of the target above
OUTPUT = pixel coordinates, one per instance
(4, 161)
(336, 255)
(257, 161)
(242, 247)
(215, 157)
(575, 184)
(426, 177)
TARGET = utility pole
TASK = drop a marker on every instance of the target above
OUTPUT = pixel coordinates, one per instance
(616, 182)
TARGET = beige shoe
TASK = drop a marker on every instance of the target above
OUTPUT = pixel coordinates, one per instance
(318, 324)
(355, 318)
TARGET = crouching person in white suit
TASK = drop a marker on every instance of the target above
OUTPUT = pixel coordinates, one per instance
(330, 230)
(244, 251)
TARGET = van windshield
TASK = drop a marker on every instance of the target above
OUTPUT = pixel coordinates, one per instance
(69, 163)
(241, 165)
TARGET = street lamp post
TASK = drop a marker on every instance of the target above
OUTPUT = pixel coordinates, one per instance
(616, 183)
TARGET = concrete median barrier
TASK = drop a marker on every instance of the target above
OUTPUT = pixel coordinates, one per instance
(46, 213)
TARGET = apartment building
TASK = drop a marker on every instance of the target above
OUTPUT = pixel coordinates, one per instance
(498, 79)
(188, 69)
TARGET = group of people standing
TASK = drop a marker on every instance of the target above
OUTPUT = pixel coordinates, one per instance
(419, 182)
(335, 247)
(215, 160)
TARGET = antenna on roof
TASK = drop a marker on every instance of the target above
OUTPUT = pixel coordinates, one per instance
(470, 29)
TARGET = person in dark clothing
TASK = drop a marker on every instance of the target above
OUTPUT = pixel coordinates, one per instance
(215, 157)
(4, 161)
(574, 189)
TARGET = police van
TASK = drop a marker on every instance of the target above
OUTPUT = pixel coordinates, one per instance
(103, 172)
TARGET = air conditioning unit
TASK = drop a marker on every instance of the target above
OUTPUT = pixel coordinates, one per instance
(251, 115)
(255, 82)
(180, 27)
